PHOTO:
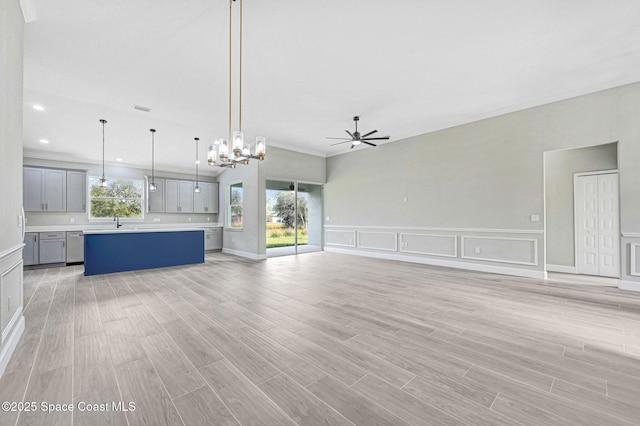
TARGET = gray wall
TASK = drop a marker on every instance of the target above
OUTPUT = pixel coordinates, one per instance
(559, 169)
(487, 174)
(241, 241)
(278, 164)
(282, 164)
(50, 218)
(11, 71)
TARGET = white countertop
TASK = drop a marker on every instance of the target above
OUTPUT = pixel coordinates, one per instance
(135, 227)
(137, 231)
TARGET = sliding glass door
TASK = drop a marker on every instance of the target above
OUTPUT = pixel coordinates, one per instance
(294, 217)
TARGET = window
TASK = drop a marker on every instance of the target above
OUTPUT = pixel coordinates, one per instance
(121, 197)
(234, 209)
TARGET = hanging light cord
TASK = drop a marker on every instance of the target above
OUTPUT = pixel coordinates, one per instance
(230, 57)
(240, 99)
(103, 121)
(197, 162)
(153, 155)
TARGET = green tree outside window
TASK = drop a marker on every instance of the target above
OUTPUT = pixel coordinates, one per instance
(121, 197)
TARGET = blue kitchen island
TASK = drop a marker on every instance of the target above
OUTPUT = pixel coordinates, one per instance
(107, 251)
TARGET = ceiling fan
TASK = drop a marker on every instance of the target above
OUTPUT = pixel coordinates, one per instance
(356, 138)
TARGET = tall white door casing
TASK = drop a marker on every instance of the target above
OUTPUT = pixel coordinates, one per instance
(597, 225)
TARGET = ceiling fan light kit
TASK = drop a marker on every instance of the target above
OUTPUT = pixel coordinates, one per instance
(356, 138)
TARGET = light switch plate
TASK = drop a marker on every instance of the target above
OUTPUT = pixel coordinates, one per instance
(156, 219)
(535, 218)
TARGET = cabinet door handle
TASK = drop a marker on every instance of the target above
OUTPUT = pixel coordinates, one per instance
(47, 206)
(42, 206)
(63, 244)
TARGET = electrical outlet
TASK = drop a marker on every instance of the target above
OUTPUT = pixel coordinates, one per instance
(156, 219)
(327, 218)
(19, 221)
(208, 219)
(189, 219)
(477, 250)
(72, 220)
(535, 218)
(405, 198)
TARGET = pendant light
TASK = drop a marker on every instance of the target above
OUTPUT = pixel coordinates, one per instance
(103, 180)
(152, 184)
(197, 188)
(228, 153)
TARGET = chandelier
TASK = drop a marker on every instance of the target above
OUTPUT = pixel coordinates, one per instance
(223, 153)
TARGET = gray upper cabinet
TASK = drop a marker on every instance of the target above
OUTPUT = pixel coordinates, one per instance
(178, 196)
(186, 196)
(76, 191)
(207, 200)
(44, 190)
(156, 198)
(171, 194)
(33, 189)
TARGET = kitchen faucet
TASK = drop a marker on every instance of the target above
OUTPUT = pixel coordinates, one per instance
(116, 219)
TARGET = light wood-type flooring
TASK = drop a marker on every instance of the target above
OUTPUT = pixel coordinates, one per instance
(324, 338)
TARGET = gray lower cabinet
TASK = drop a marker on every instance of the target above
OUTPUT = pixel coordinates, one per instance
(52, 247)
(156, 198)
(76, 191)
(31, 249)
(213, 239)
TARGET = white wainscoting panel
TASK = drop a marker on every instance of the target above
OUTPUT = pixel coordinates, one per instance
(336, 237)
(387, 241)
(520, 251)
(429, 244)
(10, 289)
(634, 259)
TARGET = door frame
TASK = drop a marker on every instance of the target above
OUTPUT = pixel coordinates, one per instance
(296, 182)
(575, 214)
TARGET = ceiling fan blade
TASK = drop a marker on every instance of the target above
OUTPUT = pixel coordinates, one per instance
(369, 143)
(342, 139)
(377, 139)
(350, 134)
(338, 143)
(368, 134)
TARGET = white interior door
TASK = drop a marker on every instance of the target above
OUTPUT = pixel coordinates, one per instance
(608, 241)
(597, 227)
(587, 224)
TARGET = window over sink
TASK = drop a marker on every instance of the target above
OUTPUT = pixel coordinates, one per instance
(121, 197)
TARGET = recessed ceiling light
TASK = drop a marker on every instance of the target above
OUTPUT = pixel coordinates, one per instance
(118, 159)
(38, 107)
(44, 141)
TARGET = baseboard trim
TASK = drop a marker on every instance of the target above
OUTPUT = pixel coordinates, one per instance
(629, 285)
(562, 269)
(446, 263)
(245, 254)
(10, 344)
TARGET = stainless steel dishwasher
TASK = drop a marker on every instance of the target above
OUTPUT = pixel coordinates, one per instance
(75, 247)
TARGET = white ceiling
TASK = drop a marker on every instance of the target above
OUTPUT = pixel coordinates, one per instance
(406, 67)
